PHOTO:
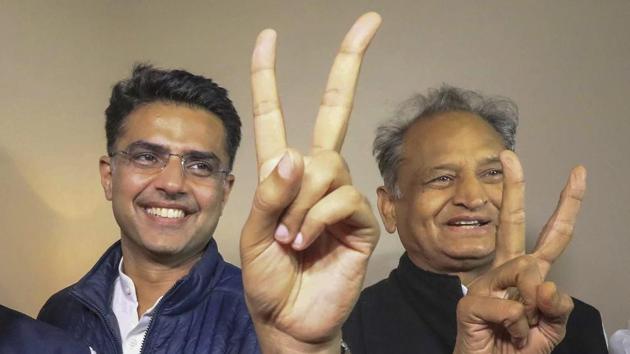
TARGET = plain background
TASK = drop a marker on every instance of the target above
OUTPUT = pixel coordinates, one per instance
(566, 63)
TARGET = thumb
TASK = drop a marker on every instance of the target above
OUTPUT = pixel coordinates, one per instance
(273, 195)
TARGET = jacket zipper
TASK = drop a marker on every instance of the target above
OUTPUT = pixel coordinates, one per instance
(157, 312)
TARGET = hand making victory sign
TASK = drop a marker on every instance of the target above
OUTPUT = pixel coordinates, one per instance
(310, 233)
(488, 323)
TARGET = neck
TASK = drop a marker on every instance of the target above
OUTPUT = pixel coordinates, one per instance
(467, 271)
(468, 276)
(151, 276)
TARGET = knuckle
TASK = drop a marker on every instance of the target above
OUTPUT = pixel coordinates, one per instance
(525, 262)
(353, 195)
(574, 193)
(336, 98)
(463, 306)
(570, 304)
(562, 227)
(331, 160)
(262, 201)
(515, 216)
(317, 177)
(514, 311)
(294, 214)
(266, 199)
(264, 107)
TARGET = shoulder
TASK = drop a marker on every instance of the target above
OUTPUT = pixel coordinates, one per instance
(59, 307)
(230, 279)
(22, 334)
(378, 293)
(58, 300)
(228, 293)
(585, 332)
(584, 312)
(371, 305)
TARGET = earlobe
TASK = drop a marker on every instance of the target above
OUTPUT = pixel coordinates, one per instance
(228, 183)
(105, 169)
(387, 209)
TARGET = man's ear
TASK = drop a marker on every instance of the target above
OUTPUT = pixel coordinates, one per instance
(105, 168)
(227, 188)
(387, 209)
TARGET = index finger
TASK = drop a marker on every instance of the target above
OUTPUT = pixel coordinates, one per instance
(523, 273)
(269, 129)
(336, 105)
(510, 241)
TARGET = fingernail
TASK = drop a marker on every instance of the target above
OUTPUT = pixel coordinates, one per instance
(282, 233)
(579, 176)
(533, 320)
(520, 343)
(285, 166)
(299, 240)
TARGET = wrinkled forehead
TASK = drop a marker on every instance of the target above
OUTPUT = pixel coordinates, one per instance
(450, 137)
(179, 128)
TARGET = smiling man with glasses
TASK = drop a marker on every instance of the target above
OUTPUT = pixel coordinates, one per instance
(171, 141)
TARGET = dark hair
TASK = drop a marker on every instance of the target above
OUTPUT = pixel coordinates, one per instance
(500, 112)
(148, 84)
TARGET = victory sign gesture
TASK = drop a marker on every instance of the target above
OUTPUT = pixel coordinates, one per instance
(532, 318)
(310, 233)
(557, 232)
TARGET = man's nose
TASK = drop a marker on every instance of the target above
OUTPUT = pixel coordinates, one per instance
(470, 193)
(171, 179)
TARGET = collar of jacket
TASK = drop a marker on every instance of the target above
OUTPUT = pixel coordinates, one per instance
(96, 288)
(433, 297)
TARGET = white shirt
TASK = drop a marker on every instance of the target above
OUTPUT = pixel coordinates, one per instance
(125, 307)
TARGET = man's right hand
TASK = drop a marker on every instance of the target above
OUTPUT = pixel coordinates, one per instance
(310, 233)
(534, 324)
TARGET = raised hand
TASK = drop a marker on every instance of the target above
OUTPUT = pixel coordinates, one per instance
(307, 240)
(556, 234)
(490, 319)
(491, 325)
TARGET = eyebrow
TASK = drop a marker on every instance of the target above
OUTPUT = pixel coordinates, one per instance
(450, 167)
(161, 149)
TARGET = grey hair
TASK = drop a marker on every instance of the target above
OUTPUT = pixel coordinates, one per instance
(500, 112)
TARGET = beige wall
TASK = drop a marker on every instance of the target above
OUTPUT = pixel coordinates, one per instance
(567, 64)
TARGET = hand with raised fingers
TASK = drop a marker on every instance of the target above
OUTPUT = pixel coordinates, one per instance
(310, 233)
(488, 324)
(555, 235)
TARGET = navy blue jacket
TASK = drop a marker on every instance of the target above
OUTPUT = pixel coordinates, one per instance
(20, 334)
(204, 312)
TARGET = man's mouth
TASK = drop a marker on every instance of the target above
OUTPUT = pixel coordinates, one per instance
(169, 213)
(469, 224)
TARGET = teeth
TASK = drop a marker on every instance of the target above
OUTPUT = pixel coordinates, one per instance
(166, 212)
(467, 223)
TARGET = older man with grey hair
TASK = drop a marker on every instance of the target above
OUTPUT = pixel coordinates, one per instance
(453, 190)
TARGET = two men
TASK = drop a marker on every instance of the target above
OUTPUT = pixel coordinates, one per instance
(172, 138)
(455, 197)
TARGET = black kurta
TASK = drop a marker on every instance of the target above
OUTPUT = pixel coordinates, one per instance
(413, 311)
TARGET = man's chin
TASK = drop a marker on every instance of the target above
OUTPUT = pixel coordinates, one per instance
(471, 261)
(162, 246)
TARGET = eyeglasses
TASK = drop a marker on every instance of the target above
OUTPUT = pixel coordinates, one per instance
(153, 162)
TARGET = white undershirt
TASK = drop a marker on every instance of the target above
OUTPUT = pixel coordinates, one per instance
(125, 307)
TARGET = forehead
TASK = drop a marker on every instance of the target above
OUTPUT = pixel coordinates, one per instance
(178, 127)
(451, 138)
